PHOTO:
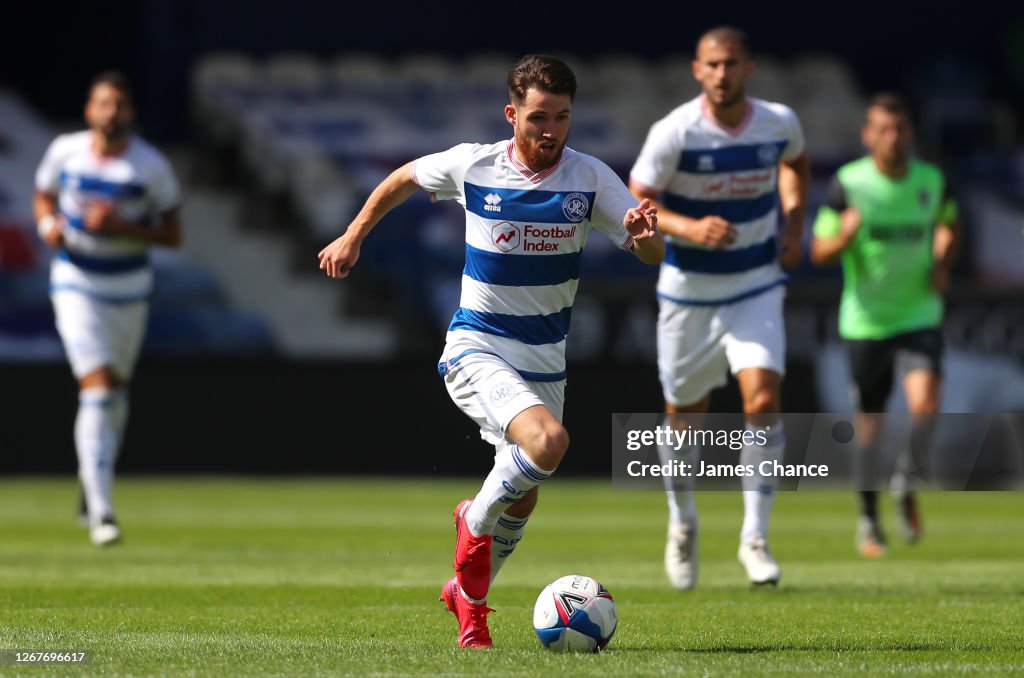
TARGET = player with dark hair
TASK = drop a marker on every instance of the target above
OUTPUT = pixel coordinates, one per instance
(103, 197)
(716, 166)
(531, 202)
(890, 219)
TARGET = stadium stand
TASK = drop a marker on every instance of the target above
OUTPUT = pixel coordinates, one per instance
(313, 139)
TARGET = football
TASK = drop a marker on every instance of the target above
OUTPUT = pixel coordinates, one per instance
(575, 613)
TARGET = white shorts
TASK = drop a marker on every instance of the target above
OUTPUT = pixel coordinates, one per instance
(491, 393)
(699, 345)
(97, 334)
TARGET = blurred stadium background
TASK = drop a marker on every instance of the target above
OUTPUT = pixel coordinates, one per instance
(280, 117)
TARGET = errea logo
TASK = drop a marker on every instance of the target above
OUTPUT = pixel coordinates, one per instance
(505, 236)
(491, 201)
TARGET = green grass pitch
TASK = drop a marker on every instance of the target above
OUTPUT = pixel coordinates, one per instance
(322, 577)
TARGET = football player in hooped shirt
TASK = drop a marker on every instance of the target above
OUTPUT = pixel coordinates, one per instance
(717, 165)
(531, 202)
(104, 197)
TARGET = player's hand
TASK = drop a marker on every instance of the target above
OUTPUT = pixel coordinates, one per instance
(99, 217)
(713, 231)
(849, 223)
(940, 279)
(791, 250)
(338, 258)
(641, 221)
(54, 236)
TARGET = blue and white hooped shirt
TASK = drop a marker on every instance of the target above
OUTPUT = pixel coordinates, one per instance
(702, 168)
(525, 233)
(140, 184)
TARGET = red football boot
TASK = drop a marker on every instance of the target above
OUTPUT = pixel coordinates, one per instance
(472, 556)
(473, 631)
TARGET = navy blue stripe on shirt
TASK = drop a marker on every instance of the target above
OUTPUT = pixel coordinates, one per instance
(104, 187)
(92, 294)
(740, 158)
(725, 300)
(693, 260)
(109, 264)
(532, 206)
(521, 270)
(442, 367)
(528, 329)
(734, 211)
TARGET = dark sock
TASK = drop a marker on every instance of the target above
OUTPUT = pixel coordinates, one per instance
(869, 504)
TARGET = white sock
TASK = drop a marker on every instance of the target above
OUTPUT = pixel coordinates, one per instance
(513, 476)
(97, 437)
(507, 533)
(679, 489)
(759, 491)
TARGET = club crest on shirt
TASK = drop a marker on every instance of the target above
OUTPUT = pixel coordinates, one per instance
(924, 198)
(506, 236)
(502, 393)
(768, 154)
(575, 207)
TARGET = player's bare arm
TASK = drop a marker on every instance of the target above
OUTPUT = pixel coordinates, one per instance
(710, 231)
(794, 184)
(945, 248)
(50, 223)
(338, 258)
(100, 217)
(642, 223)
(827, 250)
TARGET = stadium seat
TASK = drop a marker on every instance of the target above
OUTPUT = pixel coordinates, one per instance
(361, 74)
(624, 75)
(323, 195)
(773, 80)
(296, 73)
(220, 82)
(825, 75)
(482, 77)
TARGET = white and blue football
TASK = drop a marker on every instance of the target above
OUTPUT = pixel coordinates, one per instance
(575, 614)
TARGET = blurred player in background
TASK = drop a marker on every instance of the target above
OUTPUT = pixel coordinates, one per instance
(714, 166)
(103, 196)
(531, 202)
(890, 219)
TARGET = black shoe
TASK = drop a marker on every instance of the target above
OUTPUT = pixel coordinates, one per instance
(910, 517)
(83, 511)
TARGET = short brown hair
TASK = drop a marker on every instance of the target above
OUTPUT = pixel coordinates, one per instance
(725, 34)
(115, 79)
(890, 102)
(542, 72)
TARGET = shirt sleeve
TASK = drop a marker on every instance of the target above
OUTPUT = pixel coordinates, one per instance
(441, 174)
(165, 191)
(827, 223)
(658, 158)
(613, 201)
(949, 211)
(48, 173)
(796, 144)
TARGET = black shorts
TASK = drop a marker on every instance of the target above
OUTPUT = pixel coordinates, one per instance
(873, 363)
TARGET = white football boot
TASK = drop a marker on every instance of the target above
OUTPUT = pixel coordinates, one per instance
(759, 562)
(105, 532)
(681, 555)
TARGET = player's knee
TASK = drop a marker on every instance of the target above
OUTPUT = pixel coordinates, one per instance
(762, 401)
(103, 377)
(550, 446)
